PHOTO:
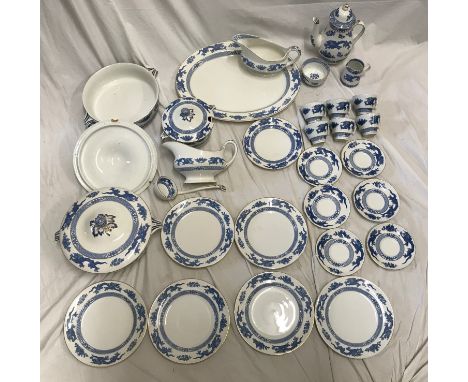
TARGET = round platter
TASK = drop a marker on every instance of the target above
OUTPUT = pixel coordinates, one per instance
(115, 154)
(363, 158)
(272, 143)
(271, 233)
(197, 232)
(390, 246)
(376, 200)
(354, 317)
(274, 313)
(319, 165)
(188, 321)
(105, 323)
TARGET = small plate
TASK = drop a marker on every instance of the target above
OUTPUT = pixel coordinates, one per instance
(188, 321)
(271, 233)
(272, 143)
(390, 246)
(105, 323)
(354, 317)
(340, 252)
(274, 313)
(197, 232)
(319, 165)
(326, 206)
(363, 158)
(376, 200)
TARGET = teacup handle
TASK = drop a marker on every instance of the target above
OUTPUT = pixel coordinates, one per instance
(366, 68)
(230, 142)
(363, 28)
(293, 49)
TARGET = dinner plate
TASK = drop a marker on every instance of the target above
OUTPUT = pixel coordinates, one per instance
(188, 321)
(271, 233)
(391, 246)
(216, 75)
(363, 158)
(105, 323)
(319, 165)
(106, 230)
(115, 154)
(274, 313)
(376, 200)
(197, 232)
(272, 143)
(354, 317)
(326, 206)
(340, 252)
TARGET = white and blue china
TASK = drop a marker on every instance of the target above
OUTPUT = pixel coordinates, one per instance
(215, 75)
(115, 154)
(363, 103)
(337, 39)
(352, 72)
(165, 189)
(337, 107)
(340, 252)
(376, 200)
(368, 124)
(271, 233)
(187, 120)
(200, 166)
(265, 56)
(274, 313)
(272, 143)
(314, 71)
(319, 165)
(363, 158)
(316, 132)
(188, 321)
(342, 128)
(122, 92)
(326, 206)
(313, 111)
(197, 232)
(106, 230)
(105, 323)
(354, 317)
(390, 246)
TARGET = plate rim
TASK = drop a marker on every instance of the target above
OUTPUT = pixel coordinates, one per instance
(346, 146)
(313, 148)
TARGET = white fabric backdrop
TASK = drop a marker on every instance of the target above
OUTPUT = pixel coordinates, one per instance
(79, 37)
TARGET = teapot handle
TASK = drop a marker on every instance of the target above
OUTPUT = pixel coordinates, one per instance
(230, 142)
(363, 28)
(293, 49)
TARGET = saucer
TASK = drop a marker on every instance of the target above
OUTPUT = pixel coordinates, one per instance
(271, 233)
(376, 200)
(340, 252)
(105, 323)
(326, 206)
(274, 313)
(188, 321)
(272, 143)
(363, 158)
(391, 246)
(319, 165)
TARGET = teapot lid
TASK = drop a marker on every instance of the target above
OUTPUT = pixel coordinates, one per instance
(342, 18)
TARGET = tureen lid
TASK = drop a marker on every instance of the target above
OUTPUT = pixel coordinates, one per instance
(342, 18)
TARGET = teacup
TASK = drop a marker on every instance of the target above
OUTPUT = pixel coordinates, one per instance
(314, 71)
(342, 128)
(313, 111)
(368, 124)
(317, 132)
(352, 72)
(337, 107)
(363, 103)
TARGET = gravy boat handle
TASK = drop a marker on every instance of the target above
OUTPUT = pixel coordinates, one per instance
(293, 49)
(234, 144)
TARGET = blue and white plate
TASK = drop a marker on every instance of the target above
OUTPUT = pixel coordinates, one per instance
(188, 321)
(197, 232)
(354, 317)
(340, 252)
(106, 230)
(272, 143)
(376, 200)
(391, 246)
(271, 233)
(326, 206)
(274, 313)
(105, 323)
(363, 158)
(319, 165)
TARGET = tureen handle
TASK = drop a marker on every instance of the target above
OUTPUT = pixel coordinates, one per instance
(155, 225)
(363, 28)
(152, 70)
(57, 235)
(293, 49)
(230, 142)
(89, 121)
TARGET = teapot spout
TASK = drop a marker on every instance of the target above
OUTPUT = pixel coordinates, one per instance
(316, 37)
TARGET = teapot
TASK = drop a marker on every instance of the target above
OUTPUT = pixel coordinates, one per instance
(336, 41)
